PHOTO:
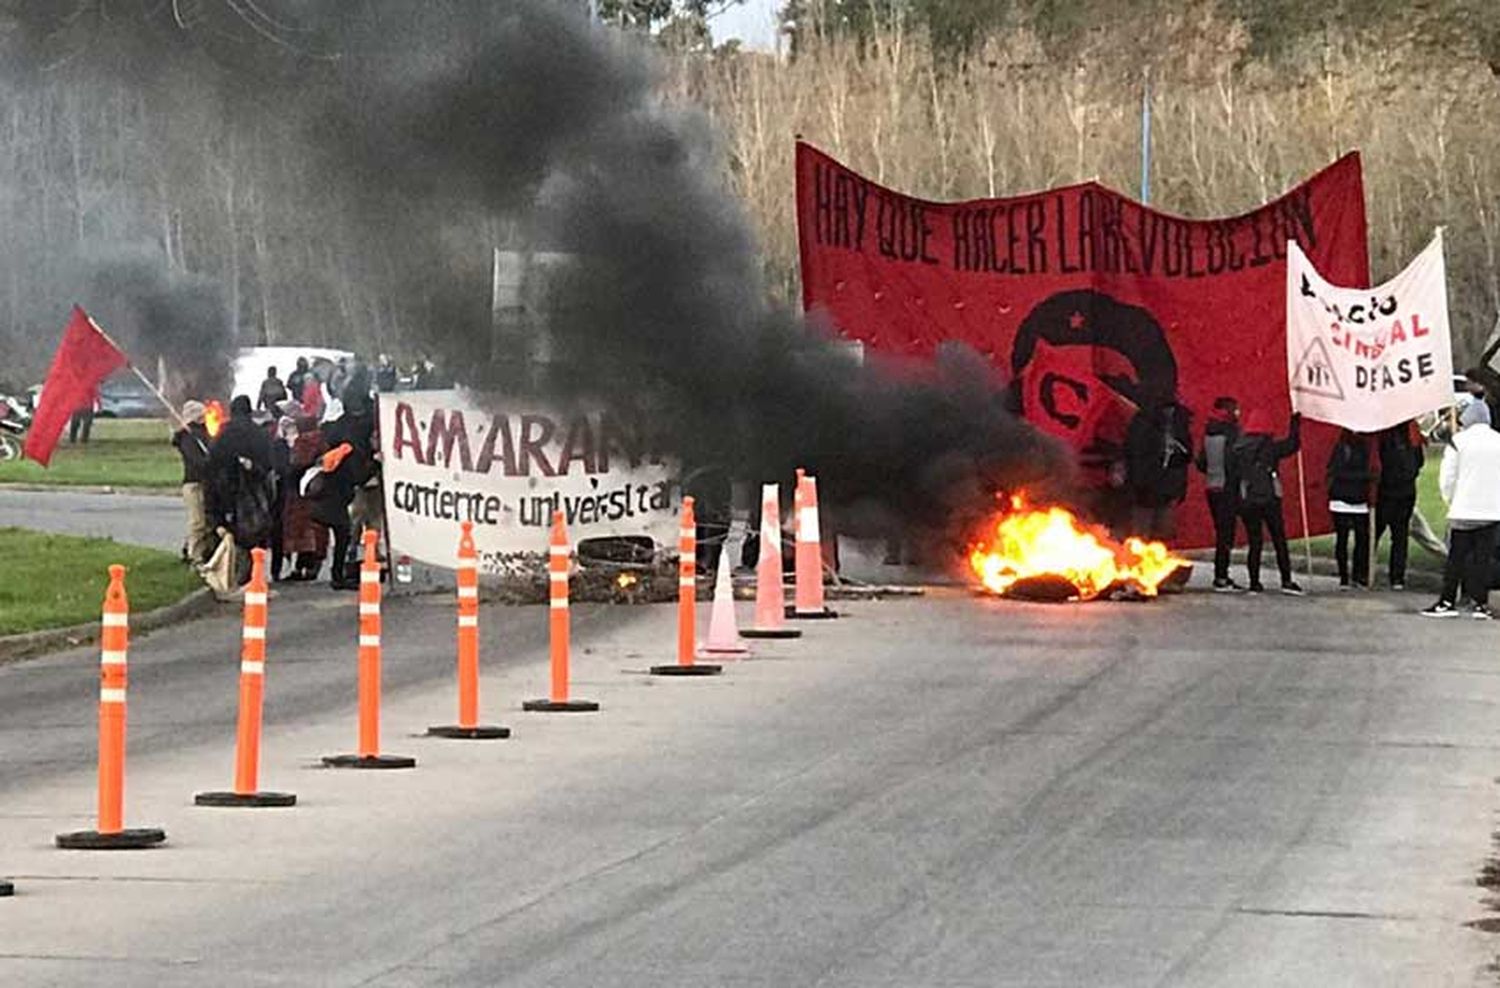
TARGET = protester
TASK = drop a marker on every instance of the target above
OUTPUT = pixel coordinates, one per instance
(272, 392)
(1347, 481)
(281, 470)
(1401, 459)
(1215, 461)
(1484, 384)
(313, 403)
(1256, 456)
(338, 380)
(301, 538)
(296, 378)
(81, 422)
(1158, 449)
(192, 442)
(357, 427)
(239, 468)
(385, 374)
(344, 468)
(1470, 483)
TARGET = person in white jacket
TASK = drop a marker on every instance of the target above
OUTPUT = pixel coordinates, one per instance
(1470, 482)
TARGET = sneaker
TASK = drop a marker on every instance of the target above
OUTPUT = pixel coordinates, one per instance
(1442, 609)
(1291, 589)
(1256, 588)
(1344, 585)
(1398, 586)
(1481, 612)
(1226, 585)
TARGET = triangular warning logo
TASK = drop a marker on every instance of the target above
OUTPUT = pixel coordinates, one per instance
(1315, 374)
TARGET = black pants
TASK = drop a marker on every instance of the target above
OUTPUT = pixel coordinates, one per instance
(1223, 507)
(1267, 517)
(1470, 551)
(711, 536)
(80, 425)
(1343, 524)
(1395, 513)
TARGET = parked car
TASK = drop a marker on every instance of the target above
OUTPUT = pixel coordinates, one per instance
(125, 396)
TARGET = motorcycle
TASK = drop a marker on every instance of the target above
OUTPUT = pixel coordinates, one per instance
(15, 419)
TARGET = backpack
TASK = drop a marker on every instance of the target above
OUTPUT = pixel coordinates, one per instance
(251, 522)
(1259, 482)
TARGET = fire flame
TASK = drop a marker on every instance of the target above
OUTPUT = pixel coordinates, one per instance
(626, 580)
(213, 417)
(1051, 542)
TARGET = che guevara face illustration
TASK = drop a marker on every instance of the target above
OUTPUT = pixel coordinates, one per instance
(1082, 365)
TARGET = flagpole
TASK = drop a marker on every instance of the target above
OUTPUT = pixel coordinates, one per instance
(1302, 497)
(176, 417)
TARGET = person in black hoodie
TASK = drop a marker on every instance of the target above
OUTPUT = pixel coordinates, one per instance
(1158, 449)
(239, 468)
(1256, 455)
(344, 472)
(1401, 460)
(1215, 461)
(1348, 483)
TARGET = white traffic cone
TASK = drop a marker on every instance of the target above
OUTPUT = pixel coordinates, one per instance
(723, 630)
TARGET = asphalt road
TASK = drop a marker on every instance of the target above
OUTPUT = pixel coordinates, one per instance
(154, 520)
(941, 792)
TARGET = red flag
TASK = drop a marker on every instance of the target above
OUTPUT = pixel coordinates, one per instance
(85, 358)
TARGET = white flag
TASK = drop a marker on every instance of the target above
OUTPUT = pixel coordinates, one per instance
(1369, 358)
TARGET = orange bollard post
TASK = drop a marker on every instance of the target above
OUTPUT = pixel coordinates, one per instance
(809, 554)
(369, 755)
(468, 727)
(687, 602)
(558, 554)
(252, 692)
(770, 597)
(114, 643)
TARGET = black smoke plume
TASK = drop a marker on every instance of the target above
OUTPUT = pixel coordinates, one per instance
(422, 115)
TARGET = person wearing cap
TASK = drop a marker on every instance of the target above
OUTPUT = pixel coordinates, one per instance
(1215, 460)
(1256, 456)
(192, 442)
(1470, 483)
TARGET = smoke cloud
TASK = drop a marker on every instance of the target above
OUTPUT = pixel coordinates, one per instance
(421, 116)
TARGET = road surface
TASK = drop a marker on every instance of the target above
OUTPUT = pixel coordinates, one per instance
(941, 792)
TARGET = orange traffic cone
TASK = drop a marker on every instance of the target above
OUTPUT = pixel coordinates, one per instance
(687, 602)
(770, 598)
(809, 554)
(252, 690)
(723, 629)
(467, 576)
(114, 643)
(369, 755)
(558, 624)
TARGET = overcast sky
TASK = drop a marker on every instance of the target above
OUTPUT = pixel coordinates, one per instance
(753, 22)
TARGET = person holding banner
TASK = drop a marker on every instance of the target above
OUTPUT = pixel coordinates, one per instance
(1256, 458)
(1470, 483)
(1401, 460)
(1215, 460)
(1348, 482)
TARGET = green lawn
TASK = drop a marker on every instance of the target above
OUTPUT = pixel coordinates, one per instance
(54, 581)
(120, 453)
(1429, 503)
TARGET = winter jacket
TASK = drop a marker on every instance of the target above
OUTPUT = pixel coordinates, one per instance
(1158, 449)
(1470, 475)
(192, 444)
(1400, 462)
(1256, 456)
(1215, 457)
(1348, 476)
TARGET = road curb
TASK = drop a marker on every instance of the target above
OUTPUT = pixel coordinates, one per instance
(33, 643)
(27, 488)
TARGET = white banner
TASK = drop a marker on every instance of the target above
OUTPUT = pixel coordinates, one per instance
(1369, 358)
(447, 460)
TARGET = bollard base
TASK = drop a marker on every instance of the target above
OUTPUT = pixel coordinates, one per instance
(245, 799)
(135, 839)
(481, 732)
(6, 888)
(771, 633)
(369, 761)
(560, 706)
(823, 615)
(696, 669)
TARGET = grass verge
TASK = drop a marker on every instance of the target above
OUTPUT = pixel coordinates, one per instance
(120, 453)
(54, 581)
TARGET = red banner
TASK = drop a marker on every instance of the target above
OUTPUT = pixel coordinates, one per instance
(83, 360)
(1093, 305)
